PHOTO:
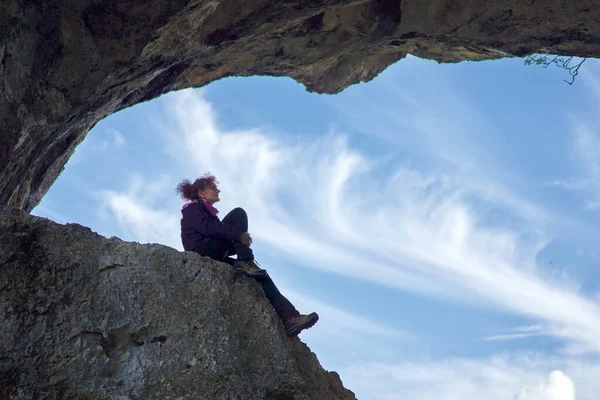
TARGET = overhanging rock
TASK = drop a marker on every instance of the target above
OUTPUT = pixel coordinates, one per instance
(64, 65)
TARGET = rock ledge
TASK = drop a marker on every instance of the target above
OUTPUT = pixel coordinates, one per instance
(86, 317)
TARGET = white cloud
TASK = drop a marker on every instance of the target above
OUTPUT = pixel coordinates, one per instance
(558, 387)
(337, 210)
(500, 377)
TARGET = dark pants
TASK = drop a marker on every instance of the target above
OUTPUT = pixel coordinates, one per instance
(220, 249)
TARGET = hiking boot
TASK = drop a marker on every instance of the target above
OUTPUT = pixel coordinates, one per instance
(250, 268)
(297, 324)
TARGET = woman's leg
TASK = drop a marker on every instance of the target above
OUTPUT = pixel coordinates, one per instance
(219, 249)
(245, 258)
(293, 321)
(284, 308)
(239, 219)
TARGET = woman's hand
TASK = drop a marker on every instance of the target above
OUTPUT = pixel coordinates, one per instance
(246, 239)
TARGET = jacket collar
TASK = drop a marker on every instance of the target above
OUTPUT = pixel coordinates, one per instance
(206, 205)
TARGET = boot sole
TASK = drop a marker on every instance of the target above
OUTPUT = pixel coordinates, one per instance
(296, 329)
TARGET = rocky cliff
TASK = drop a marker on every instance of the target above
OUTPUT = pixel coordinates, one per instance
(85, 317)
(65, 64)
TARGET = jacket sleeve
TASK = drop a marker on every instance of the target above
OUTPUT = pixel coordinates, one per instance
(211, 227)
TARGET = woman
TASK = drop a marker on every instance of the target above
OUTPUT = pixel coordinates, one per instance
(204, 233)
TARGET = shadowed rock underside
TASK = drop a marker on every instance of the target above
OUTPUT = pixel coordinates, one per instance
(64, 65)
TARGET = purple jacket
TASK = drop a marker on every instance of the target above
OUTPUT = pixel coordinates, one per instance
(198, 223)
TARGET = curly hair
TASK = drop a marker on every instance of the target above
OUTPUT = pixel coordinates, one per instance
(189, 191)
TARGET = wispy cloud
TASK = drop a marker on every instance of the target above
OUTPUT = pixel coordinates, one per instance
(346, 213)
(118, 138)
(586, 145)
(113, 140)
(518, 333)
(139, 215)
(587, 153)
(511, 336)
(342, 323)
(591, 79)
(49, 212)
(341, 336)
(570, 184)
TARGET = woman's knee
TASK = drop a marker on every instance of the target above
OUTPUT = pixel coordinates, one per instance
(240, 215)
(240, 212)
(237, 218)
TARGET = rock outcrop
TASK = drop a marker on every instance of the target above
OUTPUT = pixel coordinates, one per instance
(66, 64)
(85, 317)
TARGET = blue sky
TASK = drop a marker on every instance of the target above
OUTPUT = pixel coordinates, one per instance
(442, 219)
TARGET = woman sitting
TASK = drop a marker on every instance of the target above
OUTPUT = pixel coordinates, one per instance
(204, 233)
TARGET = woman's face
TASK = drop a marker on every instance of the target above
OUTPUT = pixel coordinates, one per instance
(210, 194)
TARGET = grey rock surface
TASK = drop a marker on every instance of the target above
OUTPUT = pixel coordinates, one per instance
(86, 317)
